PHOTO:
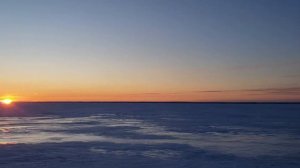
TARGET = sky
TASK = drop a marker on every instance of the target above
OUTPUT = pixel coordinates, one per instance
(150, 50)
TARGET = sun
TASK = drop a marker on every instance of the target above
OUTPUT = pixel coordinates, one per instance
(7, 101)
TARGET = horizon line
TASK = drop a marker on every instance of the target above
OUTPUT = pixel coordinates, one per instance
(200, 102)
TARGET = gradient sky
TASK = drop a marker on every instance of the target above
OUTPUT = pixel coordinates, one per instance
(150, 50)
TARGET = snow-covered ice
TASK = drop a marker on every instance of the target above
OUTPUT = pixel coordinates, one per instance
(149, 135)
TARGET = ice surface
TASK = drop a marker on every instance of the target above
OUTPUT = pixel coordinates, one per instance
(150, 135)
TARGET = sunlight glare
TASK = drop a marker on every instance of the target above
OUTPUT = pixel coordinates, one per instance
(7, 101)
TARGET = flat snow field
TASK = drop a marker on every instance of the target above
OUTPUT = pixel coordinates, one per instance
(144, 135)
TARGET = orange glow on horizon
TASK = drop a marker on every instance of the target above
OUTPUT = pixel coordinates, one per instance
(150, 96)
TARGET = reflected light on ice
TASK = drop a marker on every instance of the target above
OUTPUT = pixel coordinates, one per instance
(35, 130)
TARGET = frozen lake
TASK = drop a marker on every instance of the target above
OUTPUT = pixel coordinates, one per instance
(185, 135)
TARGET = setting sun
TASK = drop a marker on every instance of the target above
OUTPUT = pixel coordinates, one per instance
(7, 101)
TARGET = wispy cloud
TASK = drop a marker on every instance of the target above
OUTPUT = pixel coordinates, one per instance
(277, 91)
(251, 93)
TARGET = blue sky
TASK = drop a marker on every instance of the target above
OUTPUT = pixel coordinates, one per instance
(110, 49)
